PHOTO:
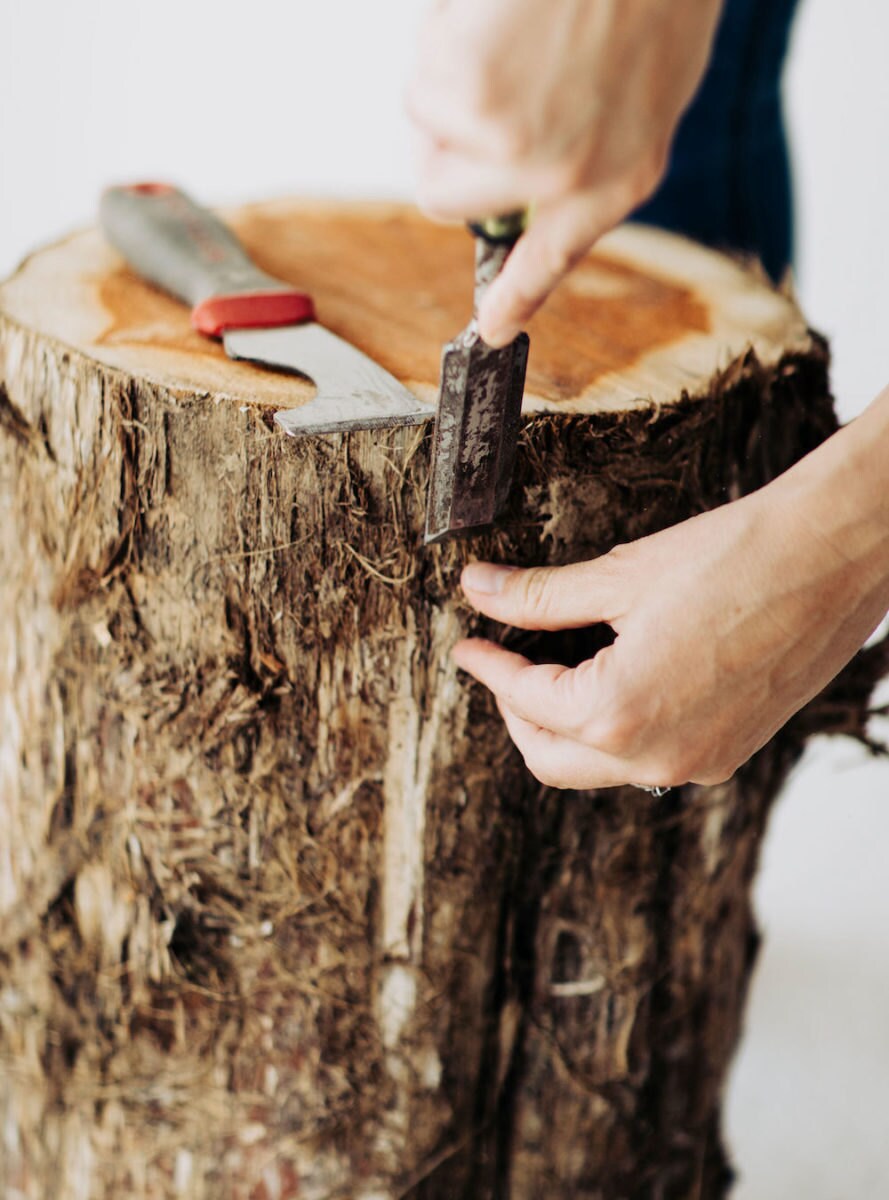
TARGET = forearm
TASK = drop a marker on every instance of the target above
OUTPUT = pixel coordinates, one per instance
(841, 493)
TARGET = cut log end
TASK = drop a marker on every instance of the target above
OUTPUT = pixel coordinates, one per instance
(643, 319)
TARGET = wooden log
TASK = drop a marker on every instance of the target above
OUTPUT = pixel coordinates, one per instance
(283, 913)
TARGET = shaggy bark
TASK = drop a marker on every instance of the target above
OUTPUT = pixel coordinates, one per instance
(283, 913)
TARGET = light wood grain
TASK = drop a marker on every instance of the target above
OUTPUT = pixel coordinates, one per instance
(646, 317)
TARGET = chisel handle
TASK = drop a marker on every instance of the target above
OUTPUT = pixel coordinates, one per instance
(187, 251)
(494, 240)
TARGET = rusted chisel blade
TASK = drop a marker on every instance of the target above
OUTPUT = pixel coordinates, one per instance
(476, 433)
(479, 413)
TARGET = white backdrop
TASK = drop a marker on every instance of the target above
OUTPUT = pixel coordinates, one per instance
(238, 101)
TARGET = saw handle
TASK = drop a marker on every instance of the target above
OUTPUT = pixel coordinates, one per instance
(187, 251)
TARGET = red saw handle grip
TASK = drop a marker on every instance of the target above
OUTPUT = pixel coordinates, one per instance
(184, 249)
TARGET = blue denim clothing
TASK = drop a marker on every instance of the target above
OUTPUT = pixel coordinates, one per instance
(728, 183)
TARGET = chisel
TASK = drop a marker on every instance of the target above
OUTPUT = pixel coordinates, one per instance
(479, 408)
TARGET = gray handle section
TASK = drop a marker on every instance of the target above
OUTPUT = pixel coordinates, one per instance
(179, 246)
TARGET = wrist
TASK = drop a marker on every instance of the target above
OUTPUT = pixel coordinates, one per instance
(839, 493)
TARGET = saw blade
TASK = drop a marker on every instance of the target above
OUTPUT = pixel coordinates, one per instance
(354, 392)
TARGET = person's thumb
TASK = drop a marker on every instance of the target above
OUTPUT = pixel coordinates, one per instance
(559, 236)
(544, 597)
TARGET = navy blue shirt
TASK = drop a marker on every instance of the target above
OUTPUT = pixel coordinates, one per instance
(728, 182)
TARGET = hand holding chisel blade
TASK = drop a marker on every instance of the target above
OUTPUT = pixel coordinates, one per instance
(479, 407)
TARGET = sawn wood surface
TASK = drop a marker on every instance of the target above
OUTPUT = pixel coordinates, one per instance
(645, 317)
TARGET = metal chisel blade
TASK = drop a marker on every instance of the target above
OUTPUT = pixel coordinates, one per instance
(476, 433)
(354, 392)
(478, 419)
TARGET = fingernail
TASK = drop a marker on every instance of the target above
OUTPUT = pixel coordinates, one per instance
(491, 325)
(497, 336)
(495, 332)
(487, 578)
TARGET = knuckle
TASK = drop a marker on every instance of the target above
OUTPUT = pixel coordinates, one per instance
(711, 774)
(508, 138)
(715, 765)
(686, 764)
(480, 85)
(616, 732)
(570, 173)
(536, 766)
(429, 201)
(614, 565)
(513, 142)
(617, 557)
(676, 769)
(541, 764)
(647, 174)
(558, 256)
(506, 144)
(548, 778)
(557, 178)
(536, 591)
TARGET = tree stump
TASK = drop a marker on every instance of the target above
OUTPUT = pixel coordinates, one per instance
(283, 913)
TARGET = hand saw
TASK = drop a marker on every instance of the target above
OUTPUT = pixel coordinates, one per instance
(187, 251)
